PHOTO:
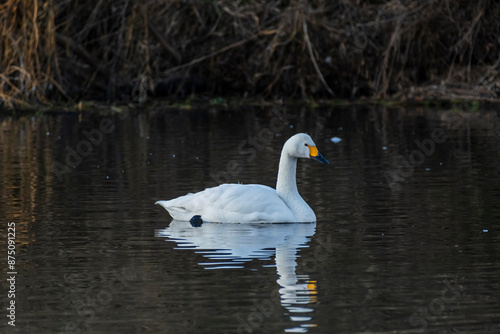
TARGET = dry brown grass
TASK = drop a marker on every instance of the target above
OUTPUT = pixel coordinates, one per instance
(126, 49)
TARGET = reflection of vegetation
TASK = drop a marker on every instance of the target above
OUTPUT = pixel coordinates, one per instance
(129, 49)
(26, 156)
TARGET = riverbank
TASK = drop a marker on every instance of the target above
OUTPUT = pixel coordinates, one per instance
(56, 53)
(459, 104)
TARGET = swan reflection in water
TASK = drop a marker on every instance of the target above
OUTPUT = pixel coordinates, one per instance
(231, 245)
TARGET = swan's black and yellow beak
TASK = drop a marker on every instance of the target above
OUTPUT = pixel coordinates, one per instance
(314, 154)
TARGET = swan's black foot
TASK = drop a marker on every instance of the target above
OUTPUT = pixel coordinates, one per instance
(196, 221)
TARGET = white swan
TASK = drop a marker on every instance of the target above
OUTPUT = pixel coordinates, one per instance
(239, 203)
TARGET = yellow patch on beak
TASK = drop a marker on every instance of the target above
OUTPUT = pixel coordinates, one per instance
(313, 151)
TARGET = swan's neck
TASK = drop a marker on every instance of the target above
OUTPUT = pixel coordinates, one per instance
(286, 185)
(286, 188)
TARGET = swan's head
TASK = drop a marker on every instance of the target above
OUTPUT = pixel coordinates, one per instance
(302, 146)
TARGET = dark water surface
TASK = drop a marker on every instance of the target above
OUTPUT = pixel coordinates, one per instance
(406, 238)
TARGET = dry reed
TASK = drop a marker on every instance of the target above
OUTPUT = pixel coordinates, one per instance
(127, 49)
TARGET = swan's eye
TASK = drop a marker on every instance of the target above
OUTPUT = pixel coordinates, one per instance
(306, 145)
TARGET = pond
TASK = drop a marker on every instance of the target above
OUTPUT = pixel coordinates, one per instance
(406, 238)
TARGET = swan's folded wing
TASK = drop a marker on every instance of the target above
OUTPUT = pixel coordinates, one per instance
(231, 203)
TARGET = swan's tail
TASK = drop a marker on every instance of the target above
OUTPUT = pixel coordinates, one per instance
(177, 213)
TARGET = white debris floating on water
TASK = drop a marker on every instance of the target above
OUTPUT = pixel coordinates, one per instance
(336, 140)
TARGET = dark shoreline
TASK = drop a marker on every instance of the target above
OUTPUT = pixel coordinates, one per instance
(457, 104)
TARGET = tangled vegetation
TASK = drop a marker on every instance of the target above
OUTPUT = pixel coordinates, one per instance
(60, 50)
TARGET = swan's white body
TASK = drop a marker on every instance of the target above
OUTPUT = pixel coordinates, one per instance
(239, 203)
